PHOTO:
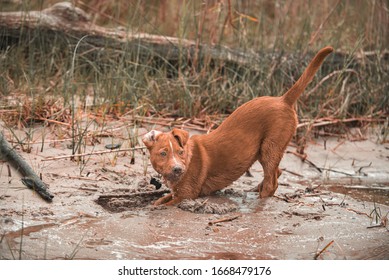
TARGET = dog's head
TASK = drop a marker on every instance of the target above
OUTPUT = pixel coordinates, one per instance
(169, 152)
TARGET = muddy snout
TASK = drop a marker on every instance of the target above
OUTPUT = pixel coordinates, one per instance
(176, 172)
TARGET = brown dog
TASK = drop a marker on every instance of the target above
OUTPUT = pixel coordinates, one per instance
(258, 130)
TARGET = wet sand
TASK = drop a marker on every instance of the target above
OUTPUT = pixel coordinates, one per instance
(102, 209)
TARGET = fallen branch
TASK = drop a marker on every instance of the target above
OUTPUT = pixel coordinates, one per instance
(327, 121)
(30, 178)
(73, 23)
(224, 220)
(93, 153)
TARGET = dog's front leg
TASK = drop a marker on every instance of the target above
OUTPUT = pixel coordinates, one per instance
(164, 199)
(168, 200)
(174, 201)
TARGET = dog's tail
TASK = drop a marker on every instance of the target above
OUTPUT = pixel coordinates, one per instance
(295, 91)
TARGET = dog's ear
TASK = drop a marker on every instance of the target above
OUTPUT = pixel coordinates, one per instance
(150, 138)
(181, 136)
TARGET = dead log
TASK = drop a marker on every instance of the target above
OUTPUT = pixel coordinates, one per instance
(73, 24)
(30, 178)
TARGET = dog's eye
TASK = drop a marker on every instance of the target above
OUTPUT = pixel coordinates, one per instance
(164, 154)
(181, 152)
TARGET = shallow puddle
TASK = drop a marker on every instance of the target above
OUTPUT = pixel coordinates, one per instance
(377, 192)
(109, 216)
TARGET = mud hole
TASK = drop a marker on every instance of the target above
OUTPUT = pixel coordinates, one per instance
(217, 204)
(128, 202)
(103, 209)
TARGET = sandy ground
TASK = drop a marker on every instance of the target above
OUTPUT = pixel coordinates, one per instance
(100, 209)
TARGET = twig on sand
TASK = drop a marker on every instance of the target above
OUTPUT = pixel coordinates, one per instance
(358, 212)
(323, 250)
(320, 169)
(337, 146)
(93, 153)
(304, 159)
(282, 198)
(337, 171)
(375, 226)
(229, 219)
(293, 173)
(77, 177)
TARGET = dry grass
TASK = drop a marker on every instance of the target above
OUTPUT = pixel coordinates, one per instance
(35, 84)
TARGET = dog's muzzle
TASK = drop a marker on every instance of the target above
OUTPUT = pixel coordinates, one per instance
(176, 173)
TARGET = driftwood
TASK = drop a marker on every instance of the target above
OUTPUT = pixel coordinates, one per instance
(73, 24)
(30, 178)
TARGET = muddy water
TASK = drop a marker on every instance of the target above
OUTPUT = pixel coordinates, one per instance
(361, 190)
(259, 229)
(108, 214)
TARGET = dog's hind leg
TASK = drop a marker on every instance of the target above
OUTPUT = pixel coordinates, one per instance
(270, 157)
(260, 186)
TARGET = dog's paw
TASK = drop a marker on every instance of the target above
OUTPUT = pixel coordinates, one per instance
(163, 200)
